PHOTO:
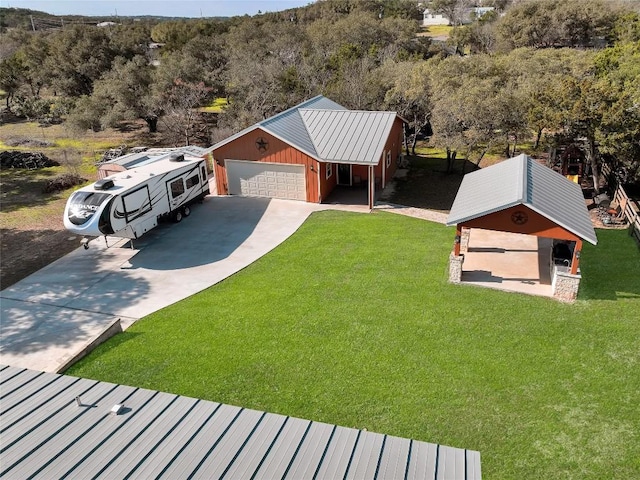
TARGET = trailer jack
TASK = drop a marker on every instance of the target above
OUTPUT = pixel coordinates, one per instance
(85, 243)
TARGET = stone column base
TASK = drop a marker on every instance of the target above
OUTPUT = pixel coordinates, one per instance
(565, 285)
(455, 268)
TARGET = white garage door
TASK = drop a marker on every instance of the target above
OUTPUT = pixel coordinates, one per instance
(272, 180)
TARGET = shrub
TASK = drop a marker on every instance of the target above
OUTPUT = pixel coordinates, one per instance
(63, 182)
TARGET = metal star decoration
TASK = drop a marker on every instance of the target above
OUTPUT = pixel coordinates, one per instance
(519, 217)
(262, 144)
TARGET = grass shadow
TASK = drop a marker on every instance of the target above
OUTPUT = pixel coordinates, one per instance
(24, 188)
(428, 185)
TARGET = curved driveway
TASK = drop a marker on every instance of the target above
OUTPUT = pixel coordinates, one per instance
(56, 312)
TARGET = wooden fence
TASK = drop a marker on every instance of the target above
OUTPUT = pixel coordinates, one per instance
(631, 211)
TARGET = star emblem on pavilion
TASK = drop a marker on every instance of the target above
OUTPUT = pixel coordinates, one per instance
(519, 218)
(262, 144)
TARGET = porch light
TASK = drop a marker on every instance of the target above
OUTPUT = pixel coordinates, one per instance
(457, 239)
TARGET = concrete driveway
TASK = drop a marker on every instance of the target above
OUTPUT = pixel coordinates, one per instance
(53, 314)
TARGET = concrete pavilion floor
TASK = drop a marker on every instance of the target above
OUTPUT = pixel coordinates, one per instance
(508, 261)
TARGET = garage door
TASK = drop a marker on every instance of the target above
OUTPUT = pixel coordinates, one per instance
(272, 180)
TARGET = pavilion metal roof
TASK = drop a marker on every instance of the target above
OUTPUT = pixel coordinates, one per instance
(58, 426)
(523, 181)
(327, 131)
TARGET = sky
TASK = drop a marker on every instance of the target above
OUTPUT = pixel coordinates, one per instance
(167, 8)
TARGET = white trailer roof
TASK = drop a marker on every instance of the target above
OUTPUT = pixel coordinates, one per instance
(127, 179)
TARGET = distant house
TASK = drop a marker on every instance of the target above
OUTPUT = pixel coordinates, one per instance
(431, 18)
(305, 152)
(470, 14)
(106, 24)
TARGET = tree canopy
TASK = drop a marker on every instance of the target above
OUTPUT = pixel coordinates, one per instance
(540, 68)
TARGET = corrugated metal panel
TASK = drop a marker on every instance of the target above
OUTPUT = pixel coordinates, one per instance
(348, 136)
(560, 200)
(288, 126)
(46, 434)
(523, 180)
(487, 191)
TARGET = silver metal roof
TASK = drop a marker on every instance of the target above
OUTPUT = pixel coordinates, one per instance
(348, 136)
(46, 434)
(327, 131)
(522, 180)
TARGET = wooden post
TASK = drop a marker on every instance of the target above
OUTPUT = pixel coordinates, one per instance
(575, 261)
(372, 187)
(458, 240)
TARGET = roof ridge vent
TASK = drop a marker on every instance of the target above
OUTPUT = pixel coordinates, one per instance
(523, 192)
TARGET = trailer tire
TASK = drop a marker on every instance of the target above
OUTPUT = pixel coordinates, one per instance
(177, 217)
(186, 210)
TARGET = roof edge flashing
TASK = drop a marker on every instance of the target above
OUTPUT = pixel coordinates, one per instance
(451, 223)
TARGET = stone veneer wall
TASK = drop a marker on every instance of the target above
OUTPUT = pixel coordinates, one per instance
(455, 268)
(565, 286)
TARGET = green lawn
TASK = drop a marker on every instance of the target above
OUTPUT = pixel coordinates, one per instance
(217, 106)
(351, 321)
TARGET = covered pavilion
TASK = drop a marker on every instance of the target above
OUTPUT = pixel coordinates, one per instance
(523, 197)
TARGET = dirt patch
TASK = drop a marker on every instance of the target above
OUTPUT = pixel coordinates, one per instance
(24, 252)
(427, 185)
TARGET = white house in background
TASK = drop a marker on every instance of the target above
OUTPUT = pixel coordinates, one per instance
(470, 14)
(430, 18)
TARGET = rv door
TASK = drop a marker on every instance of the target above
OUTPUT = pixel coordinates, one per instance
(176, 189)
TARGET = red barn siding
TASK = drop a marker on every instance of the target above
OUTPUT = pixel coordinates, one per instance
(536, 224)
(327, 184)
(317, 184)
(244, 148)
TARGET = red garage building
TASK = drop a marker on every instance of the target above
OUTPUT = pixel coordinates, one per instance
(304, 152)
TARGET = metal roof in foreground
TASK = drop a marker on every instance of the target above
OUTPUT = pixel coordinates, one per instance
(58, 426)
(522, 180)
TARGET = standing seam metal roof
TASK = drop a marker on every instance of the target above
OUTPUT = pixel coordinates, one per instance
(350, 136)
(522, 180)
(328, 132)
(46, 433)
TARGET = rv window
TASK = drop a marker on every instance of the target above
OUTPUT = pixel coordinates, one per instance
(204, 174)
(177, 188)
(191, 181)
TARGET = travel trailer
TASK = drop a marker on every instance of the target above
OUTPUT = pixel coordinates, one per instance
(131, 203)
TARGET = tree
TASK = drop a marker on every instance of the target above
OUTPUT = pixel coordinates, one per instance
(128, 86)
(548, 23)
(12, 77)
(181, 116)
(408, 92)
(78, 57)
(618, 134)
(454, 10)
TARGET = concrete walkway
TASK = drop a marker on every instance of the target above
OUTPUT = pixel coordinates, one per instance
(423, 213)
(56, 312)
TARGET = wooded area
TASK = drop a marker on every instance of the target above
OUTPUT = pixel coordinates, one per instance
(534, 69)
